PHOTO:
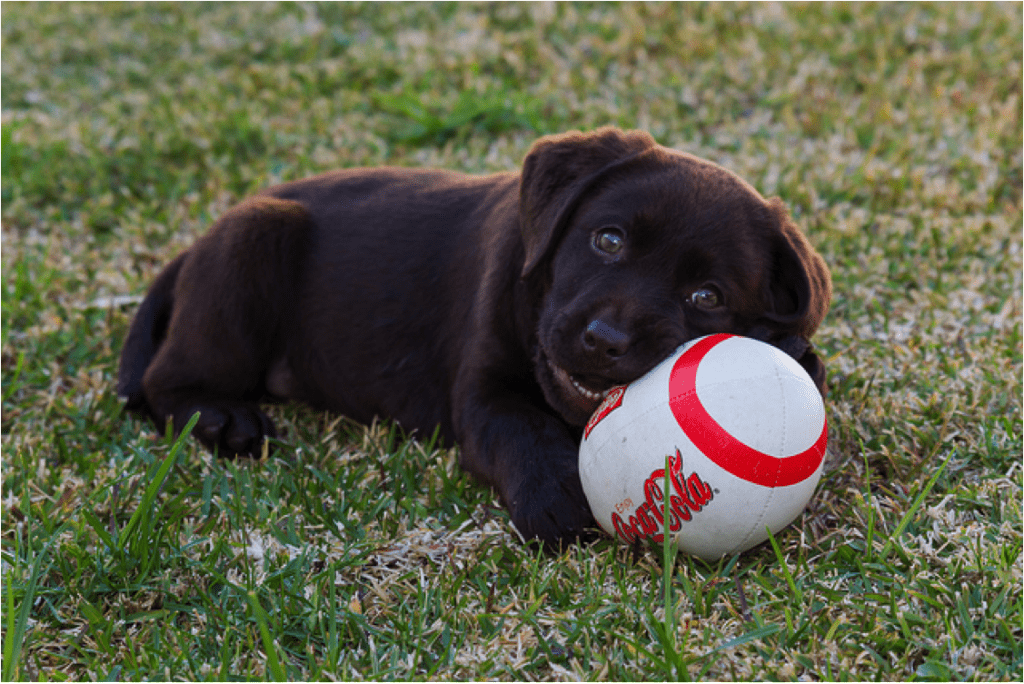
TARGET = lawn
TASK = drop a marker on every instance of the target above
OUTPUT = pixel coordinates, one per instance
(892, 132)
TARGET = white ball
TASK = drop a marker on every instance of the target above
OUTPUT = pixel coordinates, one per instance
(742, 429)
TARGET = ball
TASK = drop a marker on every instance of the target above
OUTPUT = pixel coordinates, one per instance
(740, 427)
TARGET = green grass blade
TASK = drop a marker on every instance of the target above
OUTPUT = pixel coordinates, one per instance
(135, 533)
(796, 593)
(277, 672)
(17, 618)
(668, 551)
(909, 515)
(11, 384)
(752, 635)
(100, 529)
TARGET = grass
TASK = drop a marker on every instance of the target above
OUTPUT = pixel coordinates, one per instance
(893, 133)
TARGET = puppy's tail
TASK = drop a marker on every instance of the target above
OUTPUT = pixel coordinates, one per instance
(147, 332)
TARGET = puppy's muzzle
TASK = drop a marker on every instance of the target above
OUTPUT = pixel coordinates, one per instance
(605, 343)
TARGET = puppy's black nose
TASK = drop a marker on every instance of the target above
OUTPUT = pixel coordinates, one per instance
(603, 339)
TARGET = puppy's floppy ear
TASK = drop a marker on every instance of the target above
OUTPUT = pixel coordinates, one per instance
(799, 290)
(556, 173)
(797, 295)
(801, 350)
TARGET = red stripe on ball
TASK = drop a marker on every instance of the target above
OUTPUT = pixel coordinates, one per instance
(721, 447)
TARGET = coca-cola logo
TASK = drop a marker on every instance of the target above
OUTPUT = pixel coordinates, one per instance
(611, 402)
(688, 496)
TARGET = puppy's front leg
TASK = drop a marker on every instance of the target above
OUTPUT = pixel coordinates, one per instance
(531, 458)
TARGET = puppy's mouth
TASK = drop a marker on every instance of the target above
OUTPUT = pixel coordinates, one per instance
(583, 393)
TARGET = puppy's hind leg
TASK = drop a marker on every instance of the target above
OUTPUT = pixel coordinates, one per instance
(233, 296)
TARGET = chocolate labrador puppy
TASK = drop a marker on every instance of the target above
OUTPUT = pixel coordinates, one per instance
(498, 308)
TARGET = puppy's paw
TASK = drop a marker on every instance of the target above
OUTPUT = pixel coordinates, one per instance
(229, 429)
(554, 512)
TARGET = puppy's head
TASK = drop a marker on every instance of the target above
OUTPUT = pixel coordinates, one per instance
(635, 249)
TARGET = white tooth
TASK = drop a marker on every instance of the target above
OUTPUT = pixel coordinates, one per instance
(589, 394)
(593, 396)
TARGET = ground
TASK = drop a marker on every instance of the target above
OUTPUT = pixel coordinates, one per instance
(893, 134)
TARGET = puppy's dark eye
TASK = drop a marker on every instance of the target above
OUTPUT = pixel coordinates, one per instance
(609, 240)
(705, 298)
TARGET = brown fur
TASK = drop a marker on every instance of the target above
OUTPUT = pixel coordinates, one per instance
(466, 303)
